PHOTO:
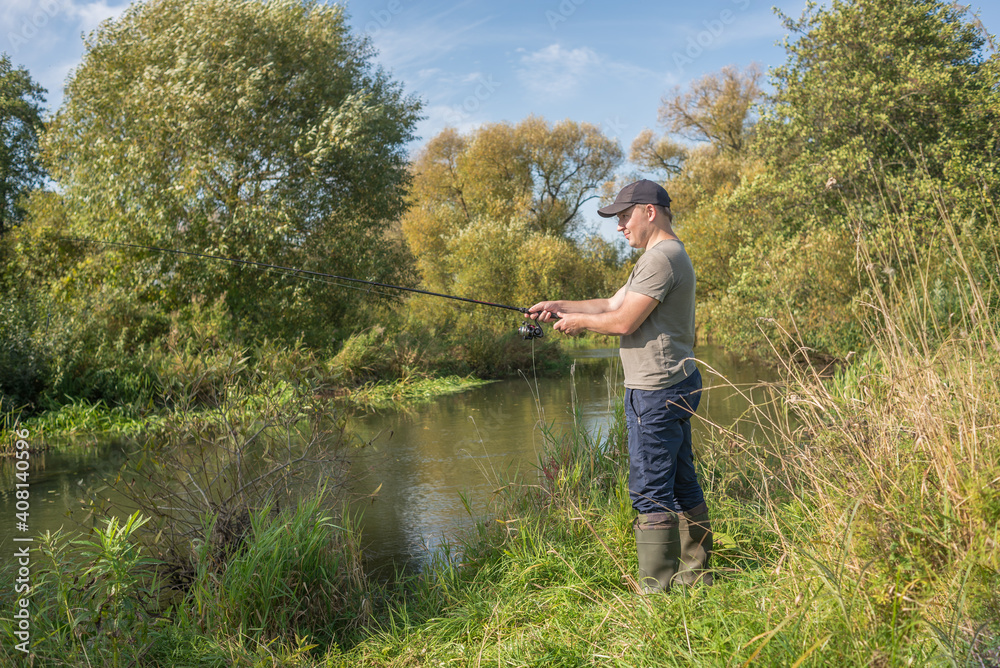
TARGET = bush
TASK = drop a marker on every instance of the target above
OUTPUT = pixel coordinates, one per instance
(297, 573)
(805, 286)
(24, 360)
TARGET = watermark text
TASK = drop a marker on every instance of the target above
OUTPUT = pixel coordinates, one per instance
(714, 28)
(22, 556)
(29, 26)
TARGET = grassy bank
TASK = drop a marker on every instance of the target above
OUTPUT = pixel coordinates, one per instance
(84, 419)
(859, 526)
(861, 531)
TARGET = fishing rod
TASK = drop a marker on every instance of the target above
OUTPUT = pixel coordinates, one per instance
(528, 330)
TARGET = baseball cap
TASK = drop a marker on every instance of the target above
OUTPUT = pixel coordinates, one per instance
(640, 192)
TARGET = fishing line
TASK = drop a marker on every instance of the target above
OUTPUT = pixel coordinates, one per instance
(528, 330)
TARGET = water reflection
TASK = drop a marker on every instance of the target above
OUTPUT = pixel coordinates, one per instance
(438, 464)
(433, 464)
(60, 487)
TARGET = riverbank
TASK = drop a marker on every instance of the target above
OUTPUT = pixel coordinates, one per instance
(95, 419)
(859, 528)
(860, 534)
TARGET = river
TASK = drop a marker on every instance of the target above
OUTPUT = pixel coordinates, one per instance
(435, 465)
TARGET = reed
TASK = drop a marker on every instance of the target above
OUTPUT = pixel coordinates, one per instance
(297, 574)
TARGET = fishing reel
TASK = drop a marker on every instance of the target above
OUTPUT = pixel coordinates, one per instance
(530, 330)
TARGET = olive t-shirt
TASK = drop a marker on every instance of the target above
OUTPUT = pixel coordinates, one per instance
(660, 353)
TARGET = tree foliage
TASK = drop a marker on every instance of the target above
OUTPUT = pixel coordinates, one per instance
(540, 172)
(20, 126)
(716, 108)
(884, 115)
(876, 93)
(708, 130)
(702, 156)
(883, 118)
(520, 181)
(252, 129)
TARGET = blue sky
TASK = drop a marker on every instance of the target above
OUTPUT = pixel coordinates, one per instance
(587, 60)
(471, 62)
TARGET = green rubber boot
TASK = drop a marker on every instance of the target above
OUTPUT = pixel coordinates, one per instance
(657, 544)
(695, 546)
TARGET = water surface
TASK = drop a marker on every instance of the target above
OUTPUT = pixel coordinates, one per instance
(435, 465)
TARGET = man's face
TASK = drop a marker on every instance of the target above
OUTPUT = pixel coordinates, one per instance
(634, 224)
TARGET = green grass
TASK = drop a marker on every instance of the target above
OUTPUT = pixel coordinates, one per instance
(549, 580)
(383, 394)
(859, 527)
(82, 417)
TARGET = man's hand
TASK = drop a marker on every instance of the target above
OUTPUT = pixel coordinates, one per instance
(545, 311)
(629, 312)
(569, 323)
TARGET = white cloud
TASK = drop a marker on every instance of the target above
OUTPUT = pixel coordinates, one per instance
(441, 116)
(428, 73)
(39, 15)
(89, 15)
(557, 72)
(14, 12)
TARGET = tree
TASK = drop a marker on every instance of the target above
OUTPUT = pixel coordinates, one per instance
(716, 108)
(882, 120)
(533, 176)
(535, 170)
(568, 162)
(20, 126)
(708, 127)
(878, 93)
(702, 157)
(254, 129)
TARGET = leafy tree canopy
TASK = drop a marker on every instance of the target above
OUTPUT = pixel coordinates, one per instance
(879, 91)
(534, 175)
(250, 128)
(882, 120)
(708, 126)
(20, 126)
(701, 157)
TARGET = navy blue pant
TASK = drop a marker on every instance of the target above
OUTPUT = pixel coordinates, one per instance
(661, 462)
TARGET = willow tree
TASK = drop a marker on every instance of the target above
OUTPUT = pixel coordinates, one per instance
(702, 156)
(534, 177)
(20, 126)
(708, 127)
(248, 128)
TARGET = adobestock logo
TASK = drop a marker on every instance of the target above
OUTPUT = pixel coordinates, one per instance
(566, 9)
(381, 18)
(484, 91)
(713, 30)
(30, 25)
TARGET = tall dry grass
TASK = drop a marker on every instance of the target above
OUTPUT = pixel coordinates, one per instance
(882, 477)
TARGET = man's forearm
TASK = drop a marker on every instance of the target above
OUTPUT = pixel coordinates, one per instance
(546, 310)
(586, 306)
(624, 319)
(606, 322)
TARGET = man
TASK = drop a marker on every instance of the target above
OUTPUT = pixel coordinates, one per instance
(653, 313)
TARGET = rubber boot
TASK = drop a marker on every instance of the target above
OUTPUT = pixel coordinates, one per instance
(657, 544)
(695, 546)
